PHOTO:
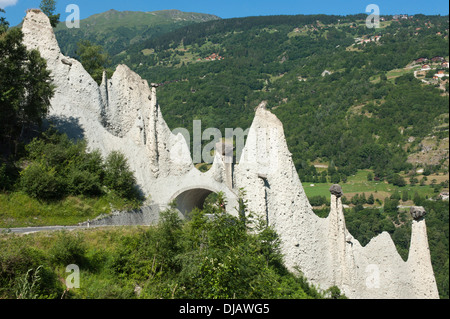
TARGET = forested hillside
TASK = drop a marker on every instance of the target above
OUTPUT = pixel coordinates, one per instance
(355, 104)
(350, 98)
(116, 31)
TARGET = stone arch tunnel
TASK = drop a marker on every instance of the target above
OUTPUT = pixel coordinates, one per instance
(188, 199)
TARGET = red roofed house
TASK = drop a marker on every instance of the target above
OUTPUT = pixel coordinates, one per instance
(437, 59)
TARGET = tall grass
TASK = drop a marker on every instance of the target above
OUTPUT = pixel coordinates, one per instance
(18, 209)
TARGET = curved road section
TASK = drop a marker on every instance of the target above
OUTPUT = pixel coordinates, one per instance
(30, 230)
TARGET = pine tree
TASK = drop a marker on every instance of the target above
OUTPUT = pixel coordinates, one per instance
(93, 58)
(25, 88)
(371, 200)
(331, 168)
(405, 196)
(49, 7)
(3, 23)
(363, 199)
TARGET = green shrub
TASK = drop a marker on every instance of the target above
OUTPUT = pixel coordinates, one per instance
(396, 180)
(83, 182)
(59, 167)
(169, 237)
(390, 206)
(335, 178)
(17, 260)
(93, 163)
(68, 249)
(335, 293)
(8, 175)
(118, 176)
(37, 283)
(104, 287)
(55, 149)
(405, 196)
(318, 200)
(24, 272)
(40, 181)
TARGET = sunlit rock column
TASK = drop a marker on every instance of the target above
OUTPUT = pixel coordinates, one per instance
(419, 259)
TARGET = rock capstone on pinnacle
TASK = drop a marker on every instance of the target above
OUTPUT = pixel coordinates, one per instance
(336, 190)
(417, 212)
(225, 148)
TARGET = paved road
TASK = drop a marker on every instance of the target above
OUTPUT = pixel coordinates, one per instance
(30, 230)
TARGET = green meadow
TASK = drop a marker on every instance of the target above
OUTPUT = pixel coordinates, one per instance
(358, 184)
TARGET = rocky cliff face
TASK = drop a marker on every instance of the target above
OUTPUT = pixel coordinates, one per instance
(123, 114)
(322, 248)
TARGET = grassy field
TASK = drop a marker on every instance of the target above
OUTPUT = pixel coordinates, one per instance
(393, 74)
(358, 184)
(93, 253)
(19, 210)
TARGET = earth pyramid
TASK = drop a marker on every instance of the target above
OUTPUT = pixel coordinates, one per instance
(123, 114)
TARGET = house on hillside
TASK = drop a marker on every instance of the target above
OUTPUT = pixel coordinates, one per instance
(425, 67)
(438, 59)
(421, 60)
(371, 39)
(400, 16)
(213, 57)
(444, 65)
(440, 74)
(444, 196)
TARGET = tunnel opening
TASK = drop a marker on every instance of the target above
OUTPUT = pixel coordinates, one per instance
(188, 200)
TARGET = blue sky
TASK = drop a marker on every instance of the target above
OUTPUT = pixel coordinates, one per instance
(15, 9)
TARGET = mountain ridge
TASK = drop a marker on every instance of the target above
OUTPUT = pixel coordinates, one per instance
(170, 13)
(116, 30)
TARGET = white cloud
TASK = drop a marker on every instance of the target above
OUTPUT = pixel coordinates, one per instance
(7, 3)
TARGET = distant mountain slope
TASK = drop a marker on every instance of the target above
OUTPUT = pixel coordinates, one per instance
(116, 30)
(345, 93)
